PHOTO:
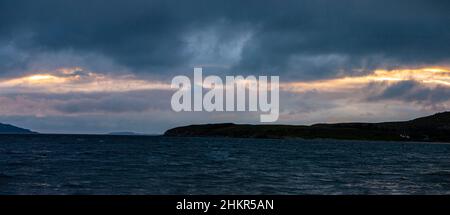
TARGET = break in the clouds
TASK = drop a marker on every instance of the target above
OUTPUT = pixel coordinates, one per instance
(106, 65)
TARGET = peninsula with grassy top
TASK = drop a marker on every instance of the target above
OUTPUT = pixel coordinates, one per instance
(434, 128)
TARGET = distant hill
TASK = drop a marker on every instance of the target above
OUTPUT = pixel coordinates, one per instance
(10, 129)
(435, 128)
(124, 133)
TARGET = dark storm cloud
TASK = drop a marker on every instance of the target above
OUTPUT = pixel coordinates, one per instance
(305, 39)
(413, 91)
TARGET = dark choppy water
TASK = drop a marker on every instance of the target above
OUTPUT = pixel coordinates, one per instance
(74, 164)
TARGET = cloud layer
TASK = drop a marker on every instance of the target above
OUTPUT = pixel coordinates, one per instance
(303, 39)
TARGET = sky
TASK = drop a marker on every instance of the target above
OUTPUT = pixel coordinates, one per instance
(104, 66)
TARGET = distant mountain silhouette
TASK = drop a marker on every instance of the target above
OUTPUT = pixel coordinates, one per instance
(124, 133)
(435, 128)
(10, 129)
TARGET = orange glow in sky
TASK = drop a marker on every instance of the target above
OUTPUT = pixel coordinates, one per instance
(432, 76)
(69, 80)
(76, 80)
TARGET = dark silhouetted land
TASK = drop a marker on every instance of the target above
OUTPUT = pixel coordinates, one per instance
(435, 128)
(10, 129)
(125, 133)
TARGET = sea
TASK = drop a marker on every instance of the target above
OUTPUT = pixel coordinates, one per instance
(108, 164)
